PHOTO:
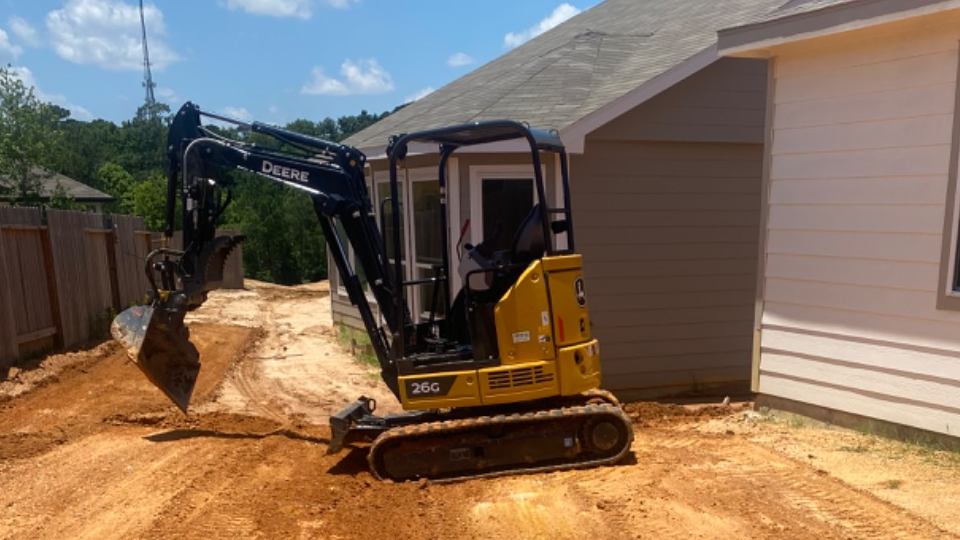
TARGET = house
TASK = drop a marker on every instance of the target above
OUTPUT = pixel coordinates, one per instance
(88, 197)
(858, 309)
(666, 150)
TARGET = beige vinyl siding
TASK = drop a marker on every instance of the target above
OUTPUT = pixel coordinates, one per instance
(724, 102)
(668, 232)
(862, 129)
(666, 204)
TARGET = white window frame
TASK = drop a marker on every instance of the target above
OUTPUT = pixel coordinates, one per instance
(406, 177)
(479, 173)
(561, 239)
(351, 256)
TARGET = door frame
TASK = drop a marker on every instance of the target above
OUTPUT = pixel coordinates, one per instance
(479, 173)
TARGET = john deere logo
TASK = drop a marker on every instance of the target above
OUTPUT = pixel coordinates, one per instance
(580, 292)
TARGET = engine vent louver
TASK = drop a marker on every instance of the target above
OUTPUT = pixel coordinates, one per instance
(519, 377)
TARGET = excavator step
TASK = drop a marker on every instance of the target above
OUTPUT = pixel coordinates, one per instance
(562, 438)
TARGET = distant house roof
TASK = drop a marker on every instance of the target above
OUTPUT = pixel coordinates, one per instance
(802, 19)
(81, 193)
(577, 69)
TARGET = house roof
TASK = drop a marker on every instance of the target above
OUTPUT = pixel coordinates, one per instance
(803, 19)
(80, 192)
(575, 69)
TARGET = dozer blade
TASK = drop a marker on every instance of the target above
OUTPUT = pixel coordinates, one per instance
(159, 344)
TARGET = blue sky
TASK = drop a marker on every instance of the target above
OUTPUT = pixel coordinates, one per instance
(269, 60)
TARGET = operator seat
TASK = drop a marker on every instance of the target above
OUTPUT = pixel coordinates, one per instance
(503, 270)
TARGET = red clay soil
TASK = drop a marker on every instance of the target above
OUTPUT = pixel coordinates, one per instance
(96, 452)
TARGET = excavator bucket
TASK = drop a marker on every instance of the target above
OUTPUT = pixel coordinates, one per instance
(158, 342)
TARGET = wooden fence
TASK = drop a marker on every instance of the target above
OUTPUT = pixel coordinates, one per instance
(59, 282)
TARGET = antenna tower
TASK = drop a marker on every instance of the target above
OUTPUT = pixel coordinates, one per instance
(148, 83)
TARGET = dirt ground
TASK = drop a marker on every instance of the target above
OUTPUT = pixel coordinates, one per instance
(88, 449)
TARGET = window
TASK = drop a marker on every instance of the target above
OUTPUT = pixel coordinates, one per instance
(351, 259)
(501, 196)
(948, 296)
(504, 205)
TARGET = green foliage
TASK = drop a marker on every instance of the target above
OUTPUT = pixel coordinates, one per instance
(128, 161)
(29, 130)
(61, 200)
(284, 241)
(358, 343)
(147, 199)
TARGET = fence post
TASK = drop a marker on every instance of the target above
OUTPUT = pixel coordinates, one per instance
(111, 239)
(53, 293)
(9, 349)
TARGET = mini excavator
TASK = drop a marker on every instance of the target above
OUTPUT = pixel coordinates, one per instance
(498, 377)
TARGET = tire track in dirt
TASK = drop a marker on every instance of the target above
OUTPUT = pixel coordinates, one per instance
(296, 368)
(798, 495)
(111, 458)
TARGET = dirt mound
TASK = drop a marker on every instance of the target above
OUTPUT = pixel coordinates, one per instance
(95, 451)
(650, 414)
(104, 384)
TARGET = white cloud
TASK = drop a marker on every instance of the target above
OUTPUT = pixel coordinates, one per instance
(460, 59)
(273, 8)
(107, 33)
(8, 51)
(559, 15)
(76, 111)
(166, 94)
(419, 94)
(237, 113)
(302, 9)
(24, 31)
(363, 77)
(340, 4)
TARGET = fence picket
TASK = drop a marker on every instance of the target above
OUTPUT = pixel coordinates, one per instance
(9, 350)
(57, 280)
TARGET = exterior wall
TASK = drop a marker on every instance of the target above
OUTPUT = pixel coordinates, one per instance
(668, 232)
(859, 170)
(666, 204)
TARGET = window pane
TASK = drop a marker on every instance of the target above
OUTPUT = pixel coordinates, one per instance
(426, 219)
(351, 257)
(383, 193)
(425, 293)
(506, 202)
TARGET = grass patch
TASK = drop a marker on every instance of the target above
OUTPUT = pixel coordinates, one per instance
(859, 449)
(358, 343)
(892, 484)
(798, 422)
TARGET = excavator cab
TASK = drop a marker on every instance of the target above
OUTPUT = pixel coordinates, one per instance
(503, 321)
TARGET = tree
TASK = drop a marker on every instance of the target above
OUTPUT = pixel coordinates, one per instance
(116, 181)
(147, 199)
(61, 200)
(28, 133)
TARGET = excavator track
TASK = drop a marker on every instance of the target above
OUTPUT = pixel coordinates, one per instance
(588, 435)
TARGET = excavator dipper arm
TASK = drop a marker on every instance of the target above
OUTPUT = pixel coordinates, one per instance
(332, 174)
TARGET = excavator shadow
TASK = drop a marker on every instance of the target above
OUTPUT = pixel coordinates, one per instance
(182, 434)
(352, 464)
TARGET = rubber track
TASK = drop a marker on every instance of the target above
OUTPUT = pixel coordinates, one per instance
(485, 422)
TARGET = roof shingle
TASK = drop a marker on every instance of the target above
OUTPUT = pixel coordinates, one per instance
(574, 69)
